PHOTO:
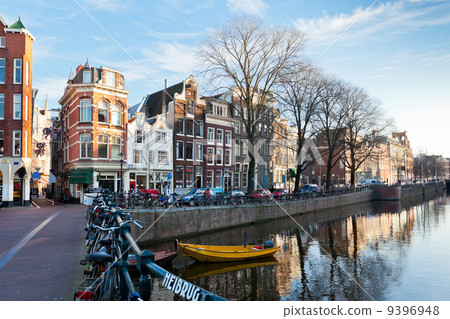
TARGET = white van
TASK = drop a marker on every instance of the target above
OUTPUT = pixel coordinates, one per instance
(367, 182)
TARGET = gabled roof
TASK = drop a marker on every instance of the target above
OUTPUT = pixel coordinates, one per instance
(3, 21)
(154, 102)
(17, 25)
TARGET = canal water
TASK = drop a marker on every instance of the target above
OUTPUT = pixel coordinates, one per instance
(371, 251)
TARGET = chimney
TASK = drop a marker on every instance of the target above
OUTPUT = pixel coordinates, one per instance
(79, 68)
(166, 83)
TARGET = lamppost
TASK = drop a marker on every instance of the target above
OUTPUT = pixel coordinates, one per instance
(121, 157)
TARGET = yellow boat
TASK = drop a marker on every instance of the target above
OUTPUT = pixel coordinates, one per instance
(209, 253)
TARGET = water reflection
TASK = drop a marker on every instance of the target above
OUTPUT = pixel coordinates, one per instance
(381, 251)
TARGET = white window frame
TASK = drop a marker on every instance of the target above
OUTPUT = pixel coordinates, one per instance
(219, 141)
(27, 69)
(237, 147)
(100, 141)
(219, 154)
(17, 106)
(84, 144)
(87, 76)
(184, 125)
(114, 140)
(161, 156)
(2, 104)
(103, 106)
(212, 157)
(160, 137)
(212, 178)
(17, 68)
(210, 134)
(85, 106)
(176, 144)
(140, 137)
(3, 70)
(137, 154)
(110, 79)
(228, 137)
(199, 125)
(193, 127)
(198, 154)
(2, 145)
(193, 151)
(2, 42)
(116, 111)
(15, 138)
(26, 107)
(229, 157)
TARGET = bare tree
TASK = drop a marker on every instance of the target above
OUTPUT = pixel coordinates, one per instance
(248, 58)
(363, 126)
(330, 124)
(301, 90)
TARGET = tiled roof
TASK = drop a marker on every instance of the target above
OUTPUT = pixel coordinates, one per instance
(17, 25)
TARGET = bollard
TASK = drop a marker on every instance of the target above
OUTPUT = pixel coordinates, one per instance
(53, 202)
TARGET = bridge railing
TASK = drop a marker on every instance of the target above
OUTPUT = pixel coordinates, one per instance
(145, 263)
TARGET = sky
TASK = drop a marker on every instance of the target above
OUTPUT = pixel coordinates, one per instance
(398, 51)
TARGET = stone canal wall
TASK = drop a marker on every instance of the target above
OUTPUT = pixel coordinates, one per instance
(418, 191)
(190, 221)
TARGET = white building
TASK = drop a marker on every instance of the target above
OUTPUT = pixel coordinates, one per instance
(150, 153)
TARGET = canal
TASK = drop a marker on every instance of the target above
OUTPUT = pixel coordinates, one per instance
(371, 251)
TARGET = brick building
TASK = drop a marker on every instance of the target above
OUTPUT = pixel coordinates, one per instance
(94, 117)
(16, 100)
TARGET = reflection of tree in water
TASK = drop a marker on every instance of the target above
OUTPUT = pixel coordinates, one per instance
(368, 249)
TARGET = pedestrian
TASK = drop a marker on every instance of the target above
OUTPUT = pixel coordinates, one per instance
(208, 196)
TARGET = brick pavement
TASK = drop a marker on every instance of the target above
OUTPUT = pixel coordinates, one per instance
(46, 266)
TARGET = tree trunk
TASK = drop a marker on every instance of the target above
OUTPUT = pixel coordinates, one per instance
(251, 176)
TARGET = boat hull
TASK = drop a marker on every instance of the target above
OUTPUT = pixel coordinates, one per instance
(206, 253)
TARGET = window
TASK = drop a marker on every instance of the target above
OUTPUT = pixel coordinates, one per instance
(237, 127)
(189, 176)
(180, 150)
(86, 115)
(26, 107)
(17, 106)
(228, 138)
(2, 42)
(209, 178)
(237, 147)
(199, 155)
(103, 146)
(210, 136)
(199, 129)
(110, 79)
(2, 71)
(219, 156)
(17, 71)
(190, 127)
(87, 77)
(179, 177)
(139, 137)
(115, 147)
(27, 68)
(17, 142)
(2, 141)
(219, 110)
(2, 106)
(115, 115)
(210, 155)
(218, 182)
(219, 137)
(102, 112)
(163, 158)
(227, 157)
(189, 151)
(190, 107)
(244, 175)
(86, 145)
(150, 158)
(237, 173)
(160, 137)
(180, 125)
(137, 156)
(244, 149)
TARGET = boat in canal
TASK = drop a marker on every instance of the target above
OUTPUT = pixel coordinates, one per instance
(210, 253)
(162, 258)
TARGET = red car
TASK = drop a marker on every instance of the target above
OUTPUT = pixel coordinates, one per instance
(281, 193)
(262, 194)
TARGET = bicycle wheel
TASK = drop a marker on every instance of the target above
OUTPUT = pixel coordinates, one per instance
(110, 287)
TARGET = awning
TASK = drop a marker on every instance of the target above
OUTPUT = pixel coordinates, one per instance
(292, 173)
(43, 179)
(52, 178)
(82, 176)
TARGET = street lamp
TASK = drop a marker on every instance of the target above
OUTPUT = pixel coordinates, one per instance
(121, 157)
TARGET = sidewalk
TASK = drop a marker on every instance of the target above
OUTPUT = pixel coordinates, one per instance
(40, 250)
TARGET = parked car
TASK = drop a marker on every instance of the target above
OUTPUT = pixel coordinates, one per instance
(368, 182)
(196, 195)
(310, 189)
(240, 196)
(281, 193)
(262, 194)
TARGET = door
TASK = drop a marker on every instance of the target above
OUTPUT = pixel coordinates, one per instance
(18, 186)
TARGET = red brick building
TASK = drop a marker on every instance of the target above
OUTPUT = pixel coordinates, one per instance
(16, 101)
(94, 118)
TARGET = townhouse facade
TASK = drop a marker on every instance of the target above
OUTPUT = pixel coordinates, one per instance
(150, 149)
(93, 124)
(16, 100)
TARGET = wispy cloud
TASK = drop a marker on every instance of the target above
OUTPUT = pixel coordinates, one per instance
(253, 7)
(53, 86)
(389, 17)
